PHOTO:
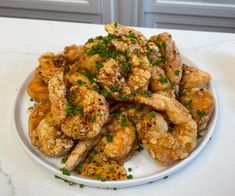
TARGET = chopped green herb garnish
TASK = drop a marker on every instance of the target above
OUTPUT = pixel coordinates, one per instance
(94, 88)
(133, 41)
(66, 181)
(65, 171)
(99, 65)
(123, 121)
(200, 113)
(104, 93)
(199, 136)
(81, 83)
(64, 159)
(163, 79)
(152, 114)
(163, 45)
(122, 97)
(134, 92)
(89, 40)
(115, 24)
(126, 67)
(114, 189)
(90, 76)
(99, 37)
(79, 108)
(165, 177)
(116, 114)
(129, 177)
(139, 148)
(129, 169)
(163, 59)
(81, 185)
(148, 93)
(113, 88)
(177, 72)
(109, 138)
(69, 109)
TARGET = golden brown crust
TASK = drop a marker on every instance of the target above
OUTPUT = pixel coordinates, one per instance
(37, 114)
(37, 88)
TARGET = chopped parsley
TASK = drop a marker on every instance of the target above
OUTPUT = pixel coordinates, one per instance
(200, 113)
(129, 169)
(139, 148)
(199, 136)
(113, 88)
(133, 41)
(116, 114)
(90, 76)
(66, 181)
(65, 172)
(122, 97)
(81, 83)
(152, 114)
(64, 159)
(115, 24)
(109, 138)
(163, 59)
(81, 185)
(126, 67)
(99, 65)
(177, 72)
(163, 79)
(70, 109)
(134, 92)
(123, 121)
(104, 93)
(129, 177)
(165, 177)
(79, 108)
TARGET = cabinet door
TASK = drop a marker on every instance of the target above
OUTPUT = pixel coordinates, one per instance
(211, 15)
(89, 11)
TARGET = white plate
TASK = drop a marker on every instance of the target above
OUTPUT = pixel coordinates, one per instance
(144, 168)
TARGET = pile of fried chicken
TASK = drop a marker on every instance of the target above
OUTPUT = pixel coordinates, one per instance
(97, 103)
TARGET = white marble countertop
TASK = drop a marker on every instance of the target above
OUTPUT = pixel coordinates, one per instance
(22, 41)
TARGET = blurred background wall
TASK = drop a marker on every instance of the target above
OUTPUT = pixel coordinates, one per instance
(208, 15)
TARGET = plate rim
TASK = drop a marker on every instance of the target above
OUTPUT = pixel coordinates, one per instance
(116, 183)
